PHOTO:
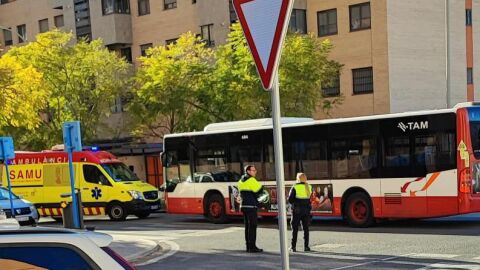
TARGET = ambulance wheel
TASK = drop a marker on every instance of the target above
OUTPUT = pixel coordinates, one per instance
(116, 212)
(142, 215)
(359, 210)
(216, 209)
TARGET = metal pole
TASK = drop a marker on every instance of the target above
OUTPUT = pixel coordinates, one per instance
(12, 209)
(447, 52)
(76, 222)
(279, 172)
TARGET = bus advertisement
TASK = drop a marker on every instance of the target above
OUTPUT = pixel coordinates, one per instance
(363, 169)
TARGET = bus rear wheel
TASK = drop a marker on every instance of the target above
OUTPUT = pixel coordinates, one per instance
(216, 209)
(359, 210)
(116, 212)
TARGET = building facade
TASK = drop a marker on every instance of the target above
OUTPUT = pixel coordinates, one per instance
(395, 53)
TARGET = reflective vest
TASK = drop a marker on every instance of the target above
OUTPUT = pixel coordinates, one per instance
(251, 184)
(300, 191)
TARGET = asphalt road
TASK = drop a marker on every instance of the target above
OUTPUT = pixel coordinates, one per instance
(190, 242)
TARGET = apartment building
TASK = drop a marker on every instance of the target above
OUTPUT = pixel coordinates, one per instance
(395, 53)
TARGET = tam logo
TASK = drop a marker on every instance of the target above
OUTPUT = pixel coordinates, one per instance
(412, 125)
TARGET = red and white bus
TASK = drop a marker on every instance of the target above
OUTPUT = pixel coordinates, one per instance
(405, 165)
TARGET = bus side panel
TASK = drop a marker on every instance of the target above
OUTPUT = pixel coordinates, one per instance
(183, 201)
(442, 193)
(403, 197)
(371, 186)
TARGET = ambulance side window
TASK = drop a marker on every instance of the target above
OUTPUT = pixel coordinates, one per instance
(93, 175)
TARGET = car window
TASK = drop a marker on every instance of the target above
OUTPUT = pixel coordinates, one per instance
(39, 257)
(93, 175)
(4, 195)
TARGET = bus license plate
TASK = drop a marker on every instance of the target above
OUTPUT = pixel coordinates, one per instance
(154, 207)
(21, 218)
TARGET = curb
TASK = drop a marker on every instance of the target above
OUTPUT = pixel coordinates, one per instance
(152, 247)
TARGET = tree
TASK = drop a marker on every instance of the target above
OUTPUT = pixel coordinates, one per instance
(22, 95)
(81, 81)
(304, 68)
(184, 86)
(167, 87)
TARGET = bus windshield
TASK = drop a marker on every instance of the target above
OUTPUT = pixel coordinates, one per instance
(120, 172)
(474, 117)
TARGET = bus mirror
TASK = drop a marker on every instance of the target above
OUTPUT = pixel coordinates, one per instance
(163, 157)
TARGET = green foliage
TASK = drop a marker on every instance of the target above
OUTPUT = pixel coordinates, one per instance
(168, 87)
(185, 86)
(81, 82)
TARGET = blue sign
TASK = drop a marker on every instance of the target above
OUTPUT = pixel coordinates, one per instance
(72, 137)
(6, 148)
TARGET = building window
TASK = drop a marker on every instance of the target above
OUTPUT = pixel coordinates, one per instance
(144, 48)
(83, 26)
(468, 16)
(194, 1)
(362, 80)
(115, 6)
(43, 25)
(58, 20)
(7, 37)
(169, 4)
(327, 22)
(143, 7)
(469, 75)
(171, 41)
(360, 17)
(233, 14)
(207, 35)
(332, 89)
(22, 33)
(298, 21)
(127, 54)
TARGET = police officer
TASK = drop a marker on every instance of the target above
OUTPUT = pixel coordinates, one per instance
(300, 199)
(250, 189)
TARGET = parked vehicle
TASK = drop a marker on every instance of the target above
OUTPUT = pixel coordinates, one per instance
(56, 249)
(25, 211)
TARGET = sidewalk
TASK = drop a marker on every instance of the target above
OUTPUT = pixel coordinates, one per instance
(132, 248)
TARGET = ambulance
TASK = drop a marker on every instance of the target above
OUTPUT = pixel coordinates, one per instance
(106, 185)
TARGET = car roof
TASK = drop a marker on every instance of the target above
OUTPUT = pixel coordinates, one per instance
(100, 239)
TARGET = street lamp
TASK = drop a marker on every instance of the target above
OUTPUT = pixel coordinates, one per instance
(24, 38)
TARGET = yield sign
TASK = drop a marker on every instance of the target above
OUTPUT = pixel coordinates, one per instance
(264, 23)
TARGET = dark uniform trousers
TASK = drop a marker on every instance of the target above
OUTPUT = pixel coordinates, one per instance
(250, 220)
(300, 214)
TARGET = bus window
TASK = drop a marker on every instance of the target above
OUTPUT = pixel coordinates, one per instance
(397, 153)
(475, 135)
(425, 153)
(354, 158)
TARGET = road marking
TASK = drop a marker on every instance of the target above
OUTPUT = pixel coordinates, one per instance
(174, 248)
(435, 256)
(334, 256)
(450, 266)
(323, 246)
(371, 262)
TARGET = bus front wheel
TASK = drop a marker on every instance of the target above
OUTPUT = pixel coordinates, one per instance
(116, 212)
(359, 211)
(216, 209)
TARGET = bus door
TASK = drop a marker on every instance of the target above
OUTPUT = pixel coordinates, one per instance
(95, 189)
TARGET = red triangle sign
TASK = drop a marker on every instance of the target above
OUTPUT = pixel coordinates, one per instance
(264, 23)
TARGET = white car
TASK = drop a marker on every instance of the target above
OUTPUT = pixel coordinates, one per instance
(47, 248)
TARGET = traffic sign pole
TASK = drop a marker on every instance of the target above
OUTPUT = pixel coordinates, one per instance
(5, 160)
(279, 172)
(265, 24)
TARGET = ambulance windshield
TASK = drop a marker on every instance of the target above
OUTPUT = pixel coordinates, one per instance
(120, 172)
